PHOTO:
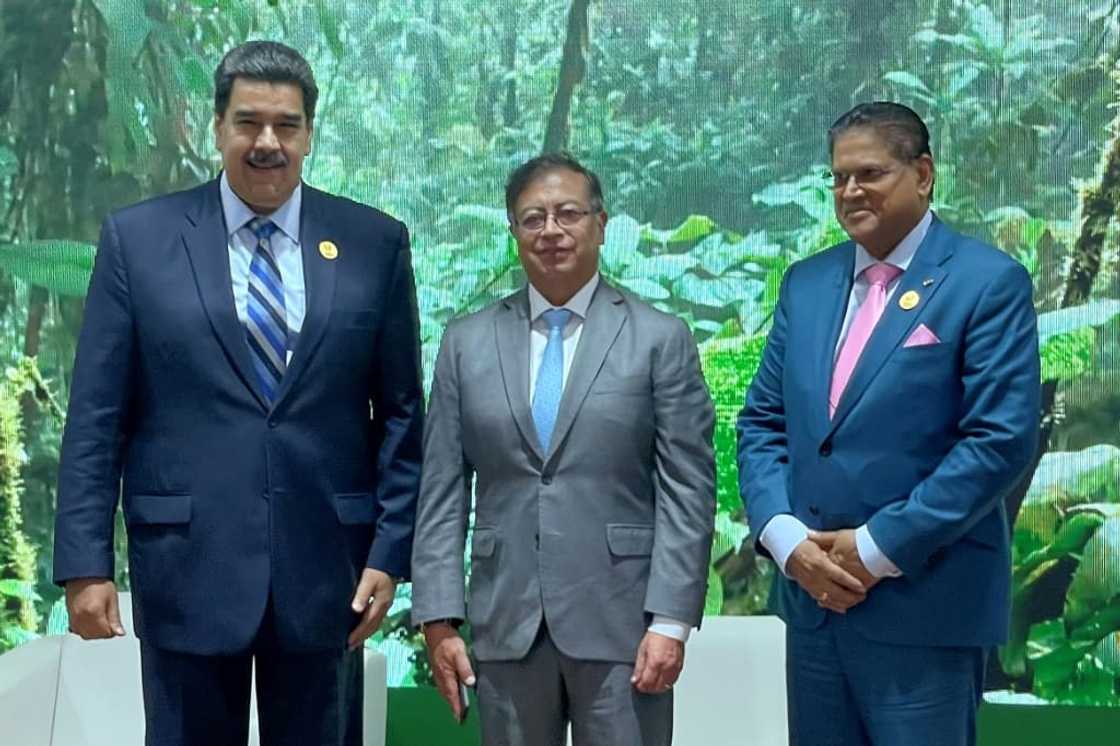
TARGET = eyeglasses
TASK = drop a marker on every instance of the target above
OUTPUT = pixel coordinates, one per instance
(864, 177)
(565, 217)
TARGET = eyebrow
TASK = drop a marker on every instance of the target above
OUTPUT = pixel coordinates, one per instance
(254, 114)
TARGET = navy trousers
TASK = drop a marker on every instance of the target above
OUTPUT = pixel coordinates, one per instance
(303, 698)
(846, 690)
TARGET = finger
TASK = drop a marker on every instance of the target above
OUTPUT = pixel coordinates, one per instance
(448, 686)
(841, 577)
(114, 616)
(647, 682)
(363, 593)
(823, 539)
(371, 620)
(463, 668)
(640, 663)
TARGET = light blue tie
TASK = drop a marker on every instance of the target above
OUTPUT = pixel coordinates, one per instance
(266, 327)
(550, 378)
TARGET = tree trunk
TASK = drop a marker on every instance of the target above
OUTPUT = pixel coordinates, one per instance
(572, 67)
(509, 66)
(1099, 205)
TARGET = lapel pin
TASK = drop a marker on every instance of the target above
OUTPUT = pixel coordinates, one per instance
(927, 282)
(328, 250)
(908, 300)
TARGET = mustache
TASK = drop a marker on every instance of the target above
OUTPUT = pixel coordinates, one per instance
(267, 159)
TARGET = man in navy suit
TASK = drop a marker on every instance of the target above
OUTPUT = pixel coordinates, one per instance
(248, 380)
(896, 404)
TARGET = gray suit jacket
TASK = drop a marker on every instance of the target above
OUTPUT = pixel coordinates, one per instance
(611, 525)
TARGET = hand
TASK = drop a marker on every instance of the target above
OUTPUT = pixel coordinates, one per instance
(447, 654)
(659, 663)
(832, 586)
(843, 550)
(372, 600)
(93, 608)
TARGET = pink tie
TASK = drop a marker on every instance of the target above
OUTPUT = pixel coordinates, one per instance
(867, 316)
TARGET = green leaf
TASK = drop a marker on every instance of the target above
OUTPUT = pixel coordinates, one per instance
(1066, 320)
(1067, 356)
(810, 193)
(62, 266)
(729, 534)
(713, 599)
(718, 292)
(489, 216)
(620, 244)
(58, 623)
(692, 229)
(1063, 480)
(908, 80)
(643, 288)
(24, 590)
(1097, 579)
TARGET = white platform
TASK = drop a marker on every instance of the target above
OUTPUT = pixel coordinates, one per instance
(732, 691)
(63, 691)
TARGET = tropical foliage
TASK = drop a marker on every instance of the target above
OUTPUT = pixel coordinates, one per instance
(706, 121)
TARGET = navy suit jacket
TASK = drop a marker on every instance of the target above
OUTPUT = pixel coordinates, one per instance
(227, 500)
(925, 443)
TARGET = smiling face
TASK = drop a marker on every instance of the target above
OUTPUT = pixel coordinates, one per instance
(263, 137)
(558, 259)
(879, 198)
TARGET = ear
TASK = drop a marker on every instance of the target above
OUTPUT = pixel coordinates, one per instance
(602, 218)
(218, 131)
(926, 173)
(310, 133)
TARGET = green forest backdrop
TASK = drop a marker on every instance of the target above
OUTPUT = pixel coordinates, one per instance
(706, 120)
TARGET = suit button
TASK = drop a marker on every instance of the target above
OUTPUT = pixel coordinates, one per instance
(546, 479)
(825, 449)
(272, 424)
(814, 510)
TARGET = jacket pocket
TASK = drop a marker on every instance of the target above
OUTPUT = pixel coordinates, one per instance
(146, 510)
(630, 540)
(354, 508)
(484, 542)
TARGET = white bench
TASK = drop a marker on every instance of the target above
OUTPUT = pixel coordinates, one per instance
(732, 691)
(63, 691)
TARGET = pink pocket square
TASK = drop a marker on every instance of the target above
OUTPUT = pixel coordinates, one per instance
(922, 336)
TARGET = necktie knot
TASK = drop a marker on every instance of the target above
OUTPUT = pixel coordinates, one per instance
(556, 318)
(262, 228)
(881, 274)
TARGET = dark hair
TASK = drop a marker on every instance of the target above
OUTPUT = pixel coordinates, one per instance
(521, 177)
(903, 130)
(268, 61)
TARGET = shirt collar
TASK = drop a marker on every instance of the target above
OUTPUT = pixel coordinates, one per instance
(577, 304)
(237, 213)
(901, 255)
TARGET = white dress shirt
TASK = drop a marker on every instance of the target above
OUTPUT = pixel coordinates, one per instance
(538, 340)
(285, 248)
(784, 532)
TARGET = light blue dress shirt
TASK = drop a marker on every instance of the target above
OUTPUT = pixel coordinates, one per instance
(285, 247)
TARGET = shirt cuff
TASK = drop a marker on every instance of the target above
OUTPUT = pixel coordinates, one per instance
(877, 563)
(781, 535)
(670, 627)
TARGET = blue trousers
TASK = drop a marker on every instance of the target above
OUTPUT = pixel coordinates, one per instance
(846, 690)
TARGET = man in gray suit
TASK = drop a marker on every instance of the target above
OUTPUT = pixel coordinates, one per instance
(583, 417)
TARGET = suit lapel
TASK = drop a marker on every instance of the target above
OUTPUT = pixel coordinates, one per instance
(207, 242)
(319, 281)
(924, 277)
(605, 317)
(827, 330)
(511, 330)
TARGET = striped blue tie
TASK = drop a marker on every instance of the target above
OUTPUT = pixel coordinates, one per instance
(550, 378)
(266, 326)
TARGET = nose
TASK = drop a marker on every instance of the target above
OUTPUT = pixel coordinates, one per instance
(266, 139)
(551, 225)
(850, 186)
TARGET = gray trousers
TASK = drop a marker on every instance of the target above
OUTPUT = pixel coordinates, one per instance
(530, 702)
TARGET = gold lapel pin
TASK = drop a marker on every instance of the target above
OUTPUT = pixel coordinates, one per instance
(908, 300)
(328, 250)
(927, 282)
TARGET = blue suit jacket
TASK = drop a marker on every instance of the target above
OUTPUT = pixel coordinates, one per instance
(227, 500)
(924, 444)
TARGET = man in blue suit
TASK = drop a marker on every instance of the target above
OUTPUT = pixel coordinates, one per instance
(896, 403)
(248, 379)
